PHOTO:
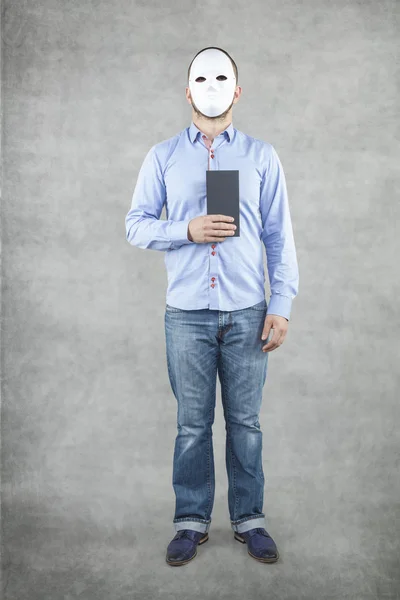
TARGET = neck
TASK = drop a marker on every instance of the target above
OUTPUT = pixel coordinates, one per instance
(211, 127)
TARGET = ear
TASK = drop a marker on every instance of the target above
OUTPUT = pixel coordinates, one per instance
(188, 97)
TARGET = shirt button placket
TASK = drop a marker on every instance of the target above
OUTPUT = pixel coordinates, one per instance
(213, 279)
(213, 246)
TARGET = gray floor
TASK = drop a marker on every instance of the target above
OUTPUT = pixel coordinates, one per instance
(329, 501)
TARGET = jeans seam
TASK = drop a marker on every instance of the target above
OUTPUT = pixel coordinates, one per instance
(209, 462)
(245, 519)
(196, 519)
(228, 441)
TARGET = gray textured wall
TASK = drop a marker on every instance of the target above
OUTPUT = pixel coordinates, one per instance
(88, 416)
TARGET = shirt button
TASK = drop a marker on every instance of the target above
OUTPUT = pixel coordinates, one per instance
(212, 245)
(212, 285)
(213, 253)
(212, 278)
(212, 155)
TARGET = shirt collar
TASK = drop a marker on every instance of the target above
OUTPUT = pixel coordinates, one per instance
(194, 132)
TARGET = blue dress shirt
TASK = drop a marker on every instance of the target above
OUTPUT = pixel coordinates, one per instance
(226, 275)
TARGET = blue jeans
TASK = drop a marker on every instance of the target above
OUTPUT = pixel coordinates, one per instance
(199, 343)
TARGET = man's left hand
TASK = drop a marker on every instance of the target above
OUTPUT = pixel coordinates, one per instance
(280, 326)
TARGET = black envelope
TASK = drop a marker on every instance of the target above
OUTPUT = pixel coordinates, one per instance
(223, 195)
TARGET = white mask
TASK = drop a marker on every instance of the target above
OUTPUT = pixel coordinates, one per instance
(212, 96)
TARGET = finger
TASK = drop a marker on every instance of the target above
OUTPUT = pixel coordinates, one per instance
(222, 232)
(276, 341)
(216, 218)
(224, 226)
(226, 223)
(218, 235)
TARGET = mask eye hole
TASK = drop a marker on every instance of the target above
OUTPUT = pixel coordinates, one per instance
(201, 79)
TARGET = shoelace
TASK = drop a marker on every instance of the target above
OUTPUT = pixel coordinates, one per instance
(184, 533)
(262, 531)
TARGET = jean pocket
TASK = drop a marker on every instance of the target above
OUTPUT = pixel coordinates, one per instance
(169, 308)
(260, 306)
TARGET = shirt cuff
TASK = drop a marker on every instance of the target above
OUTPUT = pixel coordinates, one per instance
(178, 232)
(280, 305)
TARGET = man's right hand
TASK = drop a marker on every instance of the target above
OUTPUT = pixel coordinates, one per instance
(210, 228)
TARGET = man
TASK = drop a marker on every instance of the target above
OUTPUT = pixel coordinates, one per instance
(216, 316)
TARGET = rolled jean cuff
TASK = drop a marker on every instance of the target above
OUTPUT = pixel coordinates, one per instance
(196, 525)
(248, 523)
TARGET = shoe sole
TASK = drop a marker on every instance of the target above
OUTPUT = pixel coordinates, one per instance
(178, 563)
(239, 538)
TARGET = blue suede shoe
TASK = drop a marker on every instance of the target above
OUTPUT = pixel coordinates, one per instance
(260, 544)
(183, 548)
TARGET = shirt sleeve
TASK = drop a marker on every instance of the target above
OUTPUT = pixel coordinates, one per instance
(144, 228)
(277, 236)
